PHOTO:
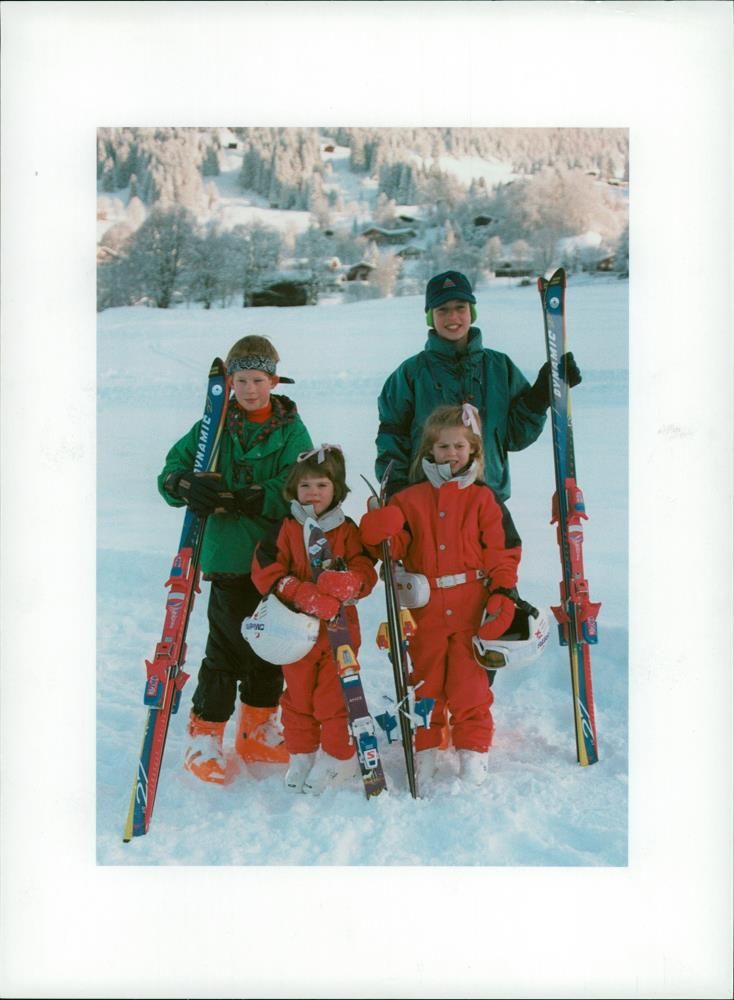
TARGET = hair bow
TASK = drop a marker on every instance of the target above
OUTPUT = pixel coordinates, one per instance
(320, 451)
(470, 417)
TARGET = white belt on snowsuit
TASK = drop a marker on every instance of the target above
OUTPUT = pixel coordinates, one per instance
(456, 579)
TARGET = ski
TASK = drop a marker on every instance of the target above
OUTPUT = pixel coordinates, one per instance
(576, 614)
(393, 636)
(165, 674)
(361, 724)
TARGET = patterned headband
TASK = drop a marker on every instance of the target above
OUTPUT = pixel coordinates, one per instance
(320, 451)
(255, 361)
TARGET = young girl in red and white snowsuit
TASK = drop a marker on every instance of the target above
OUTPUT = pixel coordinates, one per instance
(313, 709)
(452, 529)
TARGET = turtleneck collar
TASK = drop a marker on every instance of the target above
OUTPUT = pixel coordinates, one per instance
(439, 475)
(259, 416)
(329, 520)
(447, 348)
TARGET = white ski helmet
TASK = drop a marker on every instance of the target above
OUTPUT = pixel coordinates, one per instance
(278, 634)
(414, 591)
(523, 642)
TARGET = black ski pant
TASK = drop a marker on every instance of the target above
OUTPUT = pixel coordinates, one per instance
(229, 660)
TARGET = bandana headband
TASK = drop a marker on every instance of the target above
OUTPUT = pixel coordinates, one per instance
(320, 451)
(257, 361)
(470, 417)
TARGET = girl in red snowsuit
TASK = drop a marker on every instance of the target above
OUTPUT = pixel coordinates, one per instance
(313, 710)
(452, 529)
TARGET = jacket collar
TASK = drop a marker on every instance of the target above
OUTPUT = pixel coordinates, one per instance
(448, 349)
(329, 520)
(439, 475)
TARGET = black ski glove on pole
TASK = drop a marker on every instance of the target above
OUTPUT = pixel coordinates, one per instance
(199, 491)
(537, 396)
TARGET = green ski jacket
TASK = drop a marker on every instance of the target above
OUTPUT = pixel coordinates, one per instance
(250, 454)
(444, 374)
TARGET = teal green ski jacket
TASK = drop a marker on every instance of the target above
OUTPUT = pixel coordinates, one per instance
(443, 373)
(250, 454)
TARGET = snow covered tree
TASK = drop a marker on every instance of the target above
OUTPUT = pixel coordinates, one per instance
(492, 252)
(158, 253)
(385, 209)
(256, 250)
(313, 249)
(135, 213)
(210, 163)
(205, 270)
(385, 274)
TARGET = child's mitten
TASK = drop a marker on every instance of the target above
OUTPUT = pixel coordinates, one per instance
(380, 524)
(498, 616)
(307, 598)
(341, 584)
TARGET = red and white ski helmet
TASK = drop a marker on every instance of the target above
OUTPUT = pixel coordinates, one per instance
(522, 643)
(278, 634)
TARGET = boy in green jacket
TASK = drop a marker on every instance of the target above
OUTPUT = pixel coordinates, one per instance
(263, 437)
(454, 367)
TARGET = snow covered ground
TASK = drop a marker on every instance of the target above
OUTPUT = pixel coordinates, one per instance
(539, 808)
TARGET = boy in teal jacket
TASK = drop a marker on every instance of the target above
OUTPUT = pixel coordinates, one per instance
(263, 437)
(454, 367)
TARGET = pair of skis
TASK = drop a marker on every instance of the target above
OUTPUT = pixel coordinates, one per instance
(165, 674)
(576, 614)
(394, 636)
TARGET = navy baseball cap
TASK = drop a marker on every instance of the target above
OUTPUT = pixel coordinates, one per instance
(446, 286)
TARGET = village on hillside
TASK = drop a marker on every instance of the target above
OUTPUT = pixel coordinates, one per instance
(222, 217)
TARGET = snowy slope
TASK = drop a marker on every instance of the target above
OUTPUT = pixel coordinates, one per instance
(540, 807)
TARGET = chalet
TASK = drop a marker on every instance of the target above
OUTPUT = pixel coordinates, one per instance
(410, 252)
(227, 139)
(381, 235)
(282, 292)
(605, 264)
(360, 272)
(513, 269)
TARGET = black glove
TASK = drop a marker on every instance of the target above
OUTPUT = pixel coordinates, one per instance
(199, 491)
(537, 396)
(247, 501)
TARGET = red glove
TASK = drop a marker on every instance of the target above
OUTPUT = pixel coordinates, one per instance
(307, 598)
(499, 615)
(341, 584)
(380, 524)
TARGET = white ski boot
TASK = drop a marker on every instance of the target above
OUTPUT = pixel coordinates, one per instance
(298, 768)
(473, 766)
(330, 772)
(426, 763)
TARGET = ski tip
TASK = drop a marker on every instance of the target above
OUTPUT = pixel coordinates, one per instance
(555, 276)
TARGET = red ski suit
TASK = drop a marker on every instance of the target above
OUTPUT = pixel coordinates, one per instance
(313, 710)
(451, 530)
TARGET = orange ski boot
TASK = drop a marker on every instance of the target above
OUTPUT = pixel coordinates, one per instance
(204, 754)
(260, 736)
